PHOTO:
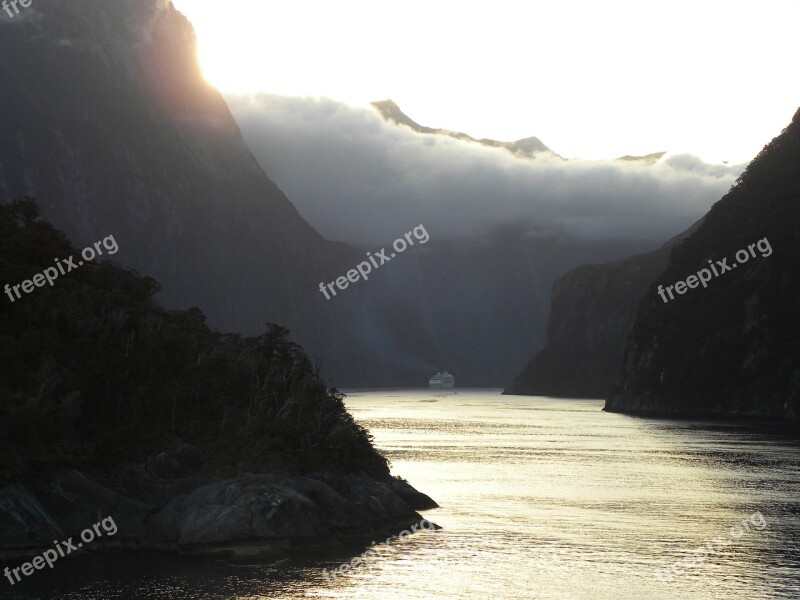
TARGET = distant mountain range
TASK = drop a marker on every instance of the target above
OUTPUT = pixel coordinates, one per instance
(138, 145)
(530, 147)
(525, 148)
(649, 159)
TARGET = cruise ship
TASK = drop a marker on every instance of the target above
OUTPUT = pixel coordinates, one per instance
(442, 380)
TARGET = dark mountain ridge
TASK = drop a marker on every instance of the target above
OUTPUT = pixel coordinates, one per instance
(726, 350)
(733, 347)
(138, 145)
(529, 148)
(109, 123)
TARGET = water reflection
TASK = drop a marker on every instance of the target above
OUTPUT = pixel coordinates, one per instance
(540, 498)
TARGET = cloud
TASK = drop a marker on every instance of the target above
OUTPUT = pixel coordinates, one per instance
(358, 179)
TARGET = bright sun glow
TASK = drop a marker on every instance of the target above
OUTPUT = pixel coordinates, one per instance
(590, 79)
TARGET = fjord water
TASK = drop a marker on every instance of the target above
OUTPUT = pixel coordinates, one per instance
(540, 498)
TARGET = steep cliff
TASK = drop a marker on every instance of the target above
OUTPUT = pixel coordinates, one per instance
(733, 347)
(591, 315)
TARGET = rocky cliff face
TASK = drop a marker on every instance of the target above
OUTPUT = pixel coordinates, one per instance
(732, 348)
(591, 315)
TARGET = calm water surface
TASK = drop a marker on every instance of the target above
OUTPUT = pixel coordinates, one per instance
(540, 498)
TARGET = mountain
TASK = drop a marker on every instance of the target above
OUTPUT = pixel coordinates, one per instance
(141, 147)
(108, 122)
(153, 156)
(474, 307)
(731, 348)
(648, 159)
(592, 309)
(530, 147)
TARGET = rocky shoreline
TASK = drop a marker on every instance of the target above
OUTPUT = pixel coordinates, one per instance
(247, 516)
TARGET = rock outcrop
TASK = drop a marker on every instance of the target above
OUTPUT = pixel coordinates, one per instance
(252, 514)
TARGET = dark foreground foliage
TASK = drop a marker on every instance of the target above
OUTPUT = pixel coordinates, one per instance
(93, 372)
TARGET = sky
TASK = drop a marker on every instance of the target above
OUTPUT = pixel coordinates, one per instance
(593, 80)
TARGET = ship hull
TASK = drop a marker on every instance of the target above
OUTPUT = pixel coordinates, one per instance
(440, 386)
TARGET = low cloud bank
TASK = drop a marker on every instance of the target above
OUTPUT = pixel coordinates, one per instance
(358, 179)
